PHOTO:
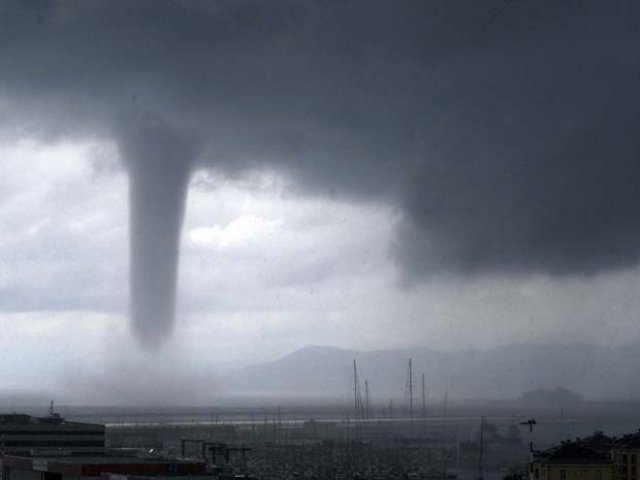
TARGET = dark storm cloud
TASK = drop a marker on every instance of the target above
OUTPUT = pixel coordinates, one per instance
(531, 162)
(505, 131)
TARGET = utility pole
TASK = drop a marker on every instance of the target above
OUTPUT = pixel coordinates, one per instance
(530, 423)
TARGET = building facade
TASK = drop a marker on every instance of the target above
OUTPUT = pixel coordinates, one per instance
(571, 461)
(626, 455)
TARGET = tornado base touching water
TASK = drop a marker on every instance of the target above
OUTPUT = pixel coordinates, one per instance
(159, 165)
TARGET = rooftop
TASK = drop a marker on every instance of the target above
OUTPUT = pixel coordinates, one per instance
(573, 452)
(631, 440)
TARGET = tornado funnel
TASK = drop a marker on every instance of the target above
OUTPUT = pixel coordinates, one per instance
(159, 164)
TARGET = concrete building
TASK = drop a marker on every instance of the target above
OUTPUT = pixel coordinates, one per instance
(597, 457)
(626, 455)
(24, 434)
(571, 461)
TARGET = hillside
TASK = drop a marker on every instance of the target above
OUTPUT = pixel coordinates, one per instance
(503, 372)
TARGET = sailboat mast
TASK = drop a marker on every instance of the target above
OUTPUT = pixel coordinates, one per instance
(410, 390)
(481, 466)
(355, 389)
(424, 399)
(367, 405)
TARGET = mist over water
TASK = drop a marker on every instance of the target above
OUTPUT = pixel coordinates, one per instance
(159, 163)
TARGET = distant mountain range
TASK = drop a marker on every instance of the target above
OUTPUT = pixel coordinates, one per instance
(501, 373)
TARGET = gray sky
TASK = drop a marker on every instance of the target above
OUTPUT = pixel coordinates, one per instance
(362, 174)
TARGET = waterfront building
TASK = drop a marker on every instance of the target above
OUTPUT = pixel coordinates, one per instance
(24, 434)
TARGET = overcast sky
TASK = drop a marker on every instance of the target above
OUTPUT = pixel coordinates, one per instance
(364, 174)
